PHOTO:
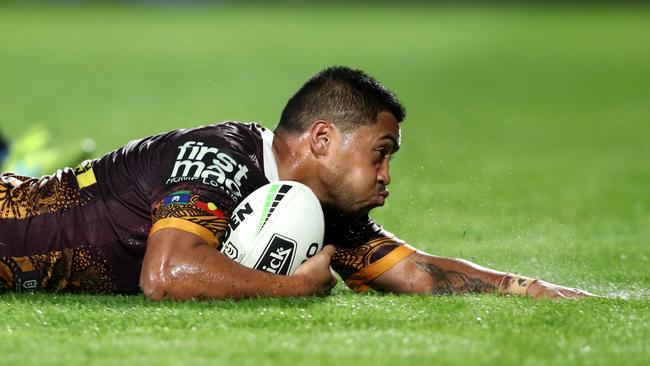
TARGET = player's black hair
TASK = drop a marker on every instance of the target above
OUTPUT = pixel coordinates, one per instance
(346, 97)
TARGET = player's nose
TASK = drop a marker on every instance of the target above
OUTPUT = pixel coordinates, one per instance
(383, 176)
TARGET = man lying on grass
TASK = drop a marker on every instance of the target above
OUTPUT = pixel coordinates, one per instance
(114, 225)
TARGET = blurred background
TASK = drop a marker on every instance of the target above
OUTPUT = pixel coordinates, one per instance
(528, 128)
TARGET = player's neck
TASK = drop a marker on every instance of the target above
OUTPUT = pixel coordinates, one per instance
(294, 161)
(288, 156)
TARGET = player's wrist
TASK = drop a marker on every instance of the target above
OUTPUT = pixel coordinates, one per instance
(516, 285)
(301, 284)
(308, 285)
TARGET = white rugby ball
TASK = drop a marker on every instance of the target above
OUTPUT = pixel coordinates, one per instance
(276, 228)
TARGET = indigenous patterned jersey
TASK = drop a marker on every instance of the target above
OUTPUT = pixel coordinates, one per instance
(86, 229)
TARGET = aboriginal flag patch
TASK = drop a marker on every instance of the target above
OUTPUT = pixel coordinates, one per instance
(177, 198)
(210, 208)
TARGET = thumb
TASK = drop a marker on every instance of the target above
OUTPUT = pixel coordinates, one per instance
(324, 257)
(327, 251)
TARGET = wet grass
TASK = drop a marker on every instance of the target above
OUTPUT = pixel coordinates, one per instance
(340, 329)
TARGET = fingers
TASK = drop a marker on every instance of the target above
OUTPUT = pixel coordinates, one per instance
(541, 289)
(317, 273)
(559, 295)
(567, 293)
(576, 294)
(325, 255)
(333, 281)
(327, 289)
(328, 250)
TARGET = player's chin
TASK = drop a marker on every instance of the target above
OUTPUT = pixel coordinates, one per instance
(377, 201)
(358, 213)
(365, 210)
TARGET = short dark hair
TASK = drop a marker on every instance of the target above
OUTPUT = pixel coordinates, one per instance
(346, 97)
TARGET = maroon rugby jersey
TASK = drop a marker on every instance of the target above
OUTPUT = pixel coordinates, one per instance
(86, 229)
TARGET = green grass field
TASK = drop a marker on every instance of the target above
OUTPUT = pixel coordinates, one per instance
(526, 149)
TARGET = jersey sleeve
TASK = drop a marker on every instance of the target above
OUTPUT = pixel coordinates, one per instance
(201, 176)
(191, 212)
(364, 250)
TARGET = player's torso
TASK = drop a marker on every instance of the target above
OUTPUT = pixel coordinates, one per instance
(97, 218)
(86, 230)
(220, 159)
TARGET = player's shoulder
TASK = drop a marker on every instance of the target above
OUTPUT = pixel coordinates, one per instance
(235, 137)
(237, 140)
(230, 129)
(232, 136)
(226, 158)
(237, 134)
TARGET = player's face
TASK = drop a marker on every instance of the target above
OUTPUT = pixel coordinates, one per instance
(359, 170)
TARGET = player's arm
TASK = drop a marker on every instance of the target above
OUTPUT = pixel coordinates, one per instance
(375, 258)
(180, 265)
(423, 273)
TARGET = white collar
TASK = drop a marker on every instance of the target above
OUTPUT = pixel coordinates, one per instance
(270, 165)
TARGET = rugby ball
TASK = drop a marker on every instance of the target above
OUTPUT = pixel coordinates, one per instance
(276, 228)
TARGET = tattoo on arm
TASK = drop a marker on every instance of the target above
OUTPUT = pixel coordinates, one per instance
(453, 282)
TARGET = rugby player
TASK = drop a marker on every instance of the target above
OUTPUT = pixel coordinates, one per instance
(150, 216)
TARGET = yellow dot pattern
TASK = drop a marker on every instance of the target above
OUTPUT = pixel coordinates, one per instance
(22, 197)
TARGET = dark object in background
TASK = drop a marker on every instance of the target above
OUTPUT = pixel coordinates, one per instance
(4, 149)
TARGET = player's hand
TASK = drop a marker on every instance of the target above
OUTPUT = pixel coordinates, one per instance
(316, 272)
(542, 289)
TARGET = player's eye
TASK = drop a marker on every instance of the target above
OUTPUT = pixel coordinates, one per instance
(380, 154)
(376, 156)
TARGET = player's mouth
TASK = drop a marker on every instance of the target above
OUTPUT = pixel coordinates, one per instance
(381, 197)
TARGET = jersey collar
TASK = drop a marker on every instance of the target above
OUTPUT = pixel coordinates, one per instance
(270, 165)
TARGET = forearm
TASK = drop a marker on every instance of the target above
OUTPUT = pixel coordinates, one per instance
(428, 274)
(199, 271)
(461, 276)
(206, 274)
(453, 276)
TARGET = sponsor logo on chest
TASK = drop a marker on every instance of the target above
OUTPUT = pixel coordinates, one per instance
(209, 165)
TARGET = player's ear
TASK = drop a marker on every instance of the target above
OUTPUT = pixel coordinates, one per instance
(320, 137)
